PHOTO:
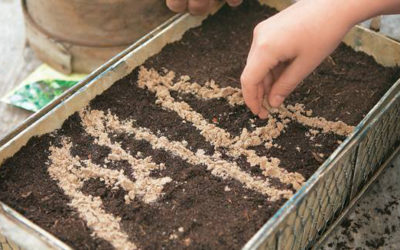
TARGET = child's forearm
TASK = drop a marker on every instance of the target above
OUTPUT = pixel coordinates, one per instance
(380, 7)
(359, 10)
(353, 12)
(277, 63)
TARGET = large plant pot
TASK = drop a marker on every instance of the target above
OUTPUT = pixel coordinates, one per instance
(80, 35)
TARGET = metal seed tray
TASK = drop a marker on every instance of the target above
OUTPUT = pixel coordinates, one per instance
(308, 214)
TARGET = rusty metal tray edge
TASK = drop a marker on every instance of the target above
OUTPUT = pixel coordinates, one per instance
(174, 28)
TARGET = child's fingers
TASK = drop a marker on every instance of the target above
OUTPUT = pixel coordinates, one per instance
(263, 114)
(198, 7)
(259, 62)
(288, 81)
(177, 5)
(234, 3)
(256, 70)
(267, 85)
(277, 71)
(251, 97)
(268, 81)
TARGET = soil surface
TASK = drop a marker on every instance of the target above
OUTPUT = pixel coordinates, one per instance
(197, 209)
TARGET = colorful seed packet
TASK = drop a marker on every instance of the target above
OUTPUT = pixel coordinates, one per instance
(40, 88)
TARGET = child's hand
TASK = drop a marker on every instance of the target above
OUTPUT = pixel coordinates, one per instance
(290, 45)
(196, 7)
(287, 47)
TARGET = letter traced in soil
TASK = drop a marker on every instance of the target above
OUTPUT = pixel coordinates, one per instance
(218, 137)
(70, 176)
(234, 97)
(145, 186)
(215, 164)
(71, 172)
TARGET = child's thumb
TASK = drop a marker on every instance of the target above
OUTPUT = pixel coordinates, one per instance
(295, 72)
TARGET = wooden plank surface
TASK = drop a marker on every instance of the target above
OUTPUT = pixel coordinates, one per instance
(16, 61)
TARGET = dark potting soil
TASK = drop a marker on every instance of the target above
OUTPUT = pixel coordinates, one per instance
(345, 88)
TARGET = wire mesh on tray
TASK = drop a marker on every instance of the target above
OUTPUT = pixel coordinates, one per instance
(379, 142)
(327, 196)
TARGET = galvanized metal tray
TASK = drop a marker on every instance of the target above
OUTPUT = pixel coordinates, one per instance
(303, 218)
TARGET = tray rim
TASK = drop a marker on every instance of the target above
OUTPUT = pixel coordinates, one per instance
(24, 230)
(359, 132)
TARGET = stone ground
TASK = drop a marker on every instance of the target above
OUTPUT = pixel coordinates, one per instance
(16, 61)
(374, 222)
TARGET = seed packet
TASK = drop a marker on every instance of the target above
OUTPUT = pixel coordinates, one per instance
(41, 87)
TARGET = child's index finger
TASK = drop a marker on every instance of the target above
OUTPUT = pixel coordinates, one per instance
(251, 97)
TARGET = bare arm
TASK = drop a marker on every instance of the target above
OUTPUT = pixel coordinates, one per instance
(290, 45)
